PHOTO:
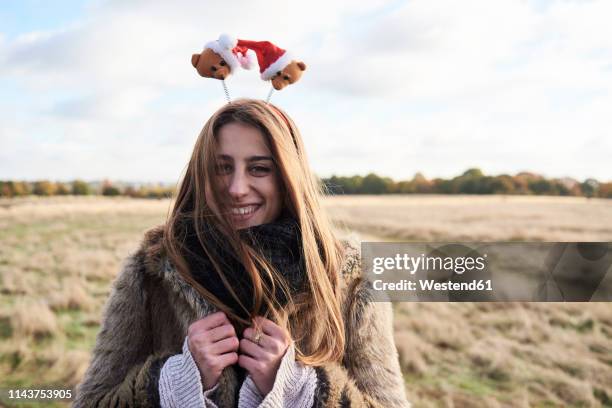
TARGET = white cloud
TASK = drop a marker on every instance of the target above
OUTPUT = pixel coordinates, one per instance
(432, 86)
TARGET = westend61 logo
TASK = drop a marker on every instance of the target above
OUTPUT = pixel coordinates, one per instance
(413, 264)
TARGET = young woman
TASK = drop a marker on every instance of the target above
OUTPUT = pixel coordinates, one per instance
(244, 297)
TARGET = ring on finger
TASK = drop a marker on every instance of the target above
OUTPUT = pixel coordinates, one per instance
(257, 337)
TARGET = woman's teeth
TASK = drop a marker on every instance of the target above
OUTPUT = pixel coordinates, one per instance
(244, 210)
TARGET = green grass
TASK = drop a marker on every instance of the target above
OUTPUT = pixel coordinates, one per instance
(79, 334)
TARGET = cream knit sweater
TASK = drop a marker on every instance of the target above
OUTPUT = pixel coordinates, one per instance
(180, 385)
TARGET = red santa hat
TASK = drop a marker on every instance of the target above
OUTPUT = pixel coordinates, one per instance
(271, 58)
(235, 56)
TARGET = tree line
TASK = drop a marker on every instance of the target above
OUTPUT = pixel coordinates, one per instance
(472, 181)
(82, 188)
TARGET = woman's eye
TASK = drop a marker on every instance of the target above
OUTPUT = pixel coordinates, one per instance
(286, 78)
(260, 170)
(223, 168)
(222, 63)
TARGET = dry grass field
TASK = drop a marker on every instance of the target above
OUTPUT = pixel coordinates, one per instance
(58, 257)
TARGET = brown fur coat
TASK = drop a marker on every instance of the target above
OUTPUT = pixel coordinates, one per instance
(150, 308)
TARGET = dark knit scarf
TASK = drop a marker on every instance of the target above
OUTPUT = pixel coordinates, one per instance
(279, 242)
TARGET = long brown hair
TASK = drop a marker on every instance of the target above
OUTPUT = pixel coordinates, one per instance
(313, 319)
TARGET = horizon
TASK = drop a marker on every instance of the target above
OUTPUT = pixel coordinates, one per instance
(166, 183)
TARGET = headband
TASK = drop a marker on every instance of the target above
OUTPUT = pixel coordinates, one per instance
(222, 57)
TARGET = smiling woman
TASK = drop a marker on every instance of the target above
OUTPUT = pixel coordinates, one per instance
(245, 297)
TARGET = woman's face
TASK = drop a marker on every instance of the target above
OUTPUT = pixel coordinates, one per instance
(247, 176)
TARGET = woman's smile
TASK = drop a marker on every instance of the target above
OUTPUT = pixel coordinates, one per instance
(245, 212)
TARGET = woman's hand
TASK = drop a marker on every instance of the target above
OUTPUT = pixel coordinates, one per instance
(213, 344)
(261, 352)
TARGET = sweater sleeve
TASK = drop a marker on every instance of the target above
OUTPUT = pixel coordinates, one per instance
(123, 370)
(369, 375)
(293, 387)
(180, 383)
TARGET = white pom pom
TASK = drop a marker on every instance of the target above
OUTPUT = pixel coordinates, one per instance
(249, 60)
(228, 42)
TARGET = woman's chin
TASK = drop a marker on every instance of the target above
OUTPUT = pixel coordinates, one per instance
(248, 224)
(250, 220)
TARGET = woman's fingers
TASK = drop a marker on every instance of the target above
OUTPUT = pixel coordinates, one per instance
(207, 323)
(228, 359)
(277, 340)
(250, 364)
(264, 341)
(269, 327)
(267, 343)
(248, 347)
(210, 337)
(221, 332)
(224, 346)
(250, 333)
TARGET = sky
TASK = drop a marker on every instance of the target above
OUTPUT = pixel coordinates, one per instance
(104, 89)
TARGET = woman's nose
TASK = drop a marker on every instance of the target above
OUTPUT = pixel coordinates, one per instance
(239, 185)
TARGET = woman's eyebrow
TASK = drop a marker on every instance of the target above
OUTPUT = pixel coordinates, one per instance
(258, 158)
(249, 159)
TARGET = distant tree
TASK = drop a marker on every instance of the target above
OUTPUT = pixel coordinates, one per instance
(421, 184)
(108, 189)
(6, 189)
(541, 187)
(523, 180)
(354, 185)
(334, 185)
(391, 187)
(79, 187)
(502, 184)
(605, 190)
(11, 188)
(484, 185)
(568, 186)
(442, 186)
(470, 182)
(473, 173)
(521, 185)
(130, 191)
(405, 187)
(62, 189)
(589, 187)
(373, 184)
(44, 188)
(159, 192)
(560, 188)
(21, 188)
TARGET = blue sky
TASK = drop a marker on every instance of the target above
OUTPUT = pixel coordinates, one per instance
(104, 89)
(22, 16)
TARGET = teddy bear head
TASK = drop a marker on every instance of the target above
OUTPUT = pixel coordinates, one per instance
(209, 64)
(289, 75)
